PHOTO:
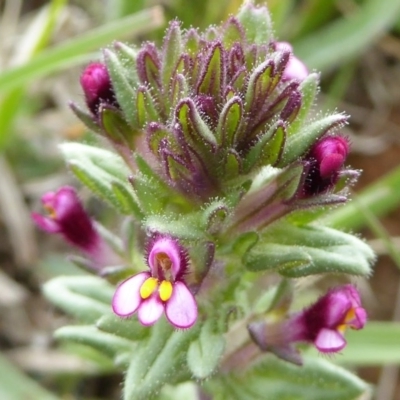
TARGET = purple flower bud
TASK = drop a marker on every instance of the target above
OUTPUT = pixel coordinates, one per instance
(162, 289)
(295, 69)
(326, 158)
(322, 324)
(97, 87)
(67, 216)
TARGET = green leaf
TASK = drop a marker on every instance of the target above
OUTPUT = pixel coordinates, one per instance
(268, 148)
(107, 343)
(158, 360)
(124, 92)
(257, 23)
(127, 202)
(300, 251)
(99, 170)
(298, 144)
(172, 50)
(213, 75)
(87, 298)
(274, 379)
(128, 328)
(206, 351)
(232, 33)
(192, 123)
(309, 90)
(229, 121)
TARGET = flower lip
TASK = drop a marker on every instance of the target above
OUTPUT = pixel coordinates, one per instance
(323, 324)
(167, 259)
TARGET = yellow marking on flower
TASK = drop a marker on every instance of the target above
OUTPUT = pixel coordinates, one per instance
(165, 290)
(148, 287)
(341, 328)
(351, 314)
(51, 211)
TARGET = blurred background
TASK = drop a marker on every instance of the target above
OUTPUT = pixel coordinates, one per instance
(44, 46)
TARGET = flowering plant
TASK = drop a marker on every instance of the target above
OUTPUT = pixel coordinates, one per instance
(220, 165)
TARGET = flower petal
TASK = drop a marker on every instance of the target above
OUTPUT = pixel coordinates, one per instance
(127, 298)
(150, 310)
(181, 308)
(47, 224)
(329, 341)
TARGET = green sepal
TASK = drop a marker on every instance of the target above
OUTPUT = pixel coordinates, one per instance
(158, 360)
(127, 328)
(127, 200)
(179, 89)
(146, 190)
(274, 379)
(230, 121)
(192, 43)
(245, 242)
(187, 227)
(257, 23)
(89, 335)
(232, 33)
(215, 215)
(146, 107)
(213, 76)
(309, 90)
(127, 57)
(268, 148)
(206, 351)
(261, 83)
(232, 167)
(116, 127)
(86, 118)
(172, 50)
(296, 251)
(97, 169)
(193, 125)
(300, 143)
(124, 92)
(87, 298)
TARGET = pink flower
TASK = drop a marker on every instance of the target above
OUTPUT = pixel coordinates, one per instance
(67, 217)
(323, 324)
(326, 159)
(97, 87)
(162, 289)
(295, 69)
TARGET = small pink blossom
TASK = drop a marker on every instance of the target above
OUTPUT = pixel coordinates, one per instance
(97, 87)
(66, 216)
(323, 324)
(326, 159)
(295, 69)
(162, 289)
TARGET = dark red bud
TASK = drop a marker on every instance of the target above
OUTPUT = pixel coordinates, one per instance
(326, 158)
(96, 85)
